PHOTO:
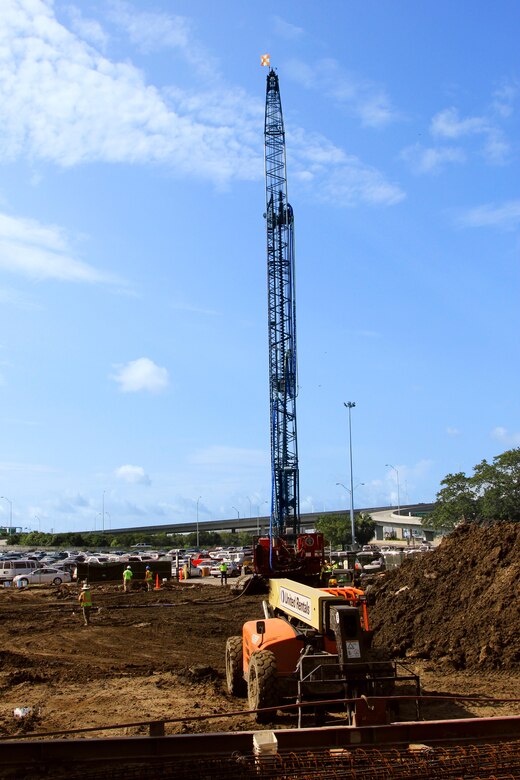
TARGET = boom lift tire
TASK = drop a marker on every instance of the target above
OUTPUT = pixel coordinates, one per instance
(236, 684)
(262, 685)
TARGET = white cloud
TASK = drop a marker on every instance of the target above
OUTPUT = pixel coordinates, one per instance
(361, 97)
(503, 99)
(135, 475)
(89, 29)
(506, 438)
(431, 160)
(285, 29)
(63, 101)
(152, 30)
(141, 374)
(336, 177)
(496, 148)
(447, 124)
(41, 252)
(505, 216)
(452, 431)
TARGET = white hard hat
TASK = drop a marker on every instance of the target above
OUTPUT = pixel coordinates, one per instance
(85, 586)
(129, 567)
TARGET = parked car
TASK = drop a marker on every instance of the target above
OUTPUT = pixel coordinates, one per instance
(193, 571)
(44, 576)
(233, 570)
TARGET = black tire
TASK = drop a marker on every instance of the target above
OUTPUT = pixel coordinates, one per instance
(262, 686)
(24, 583)
(236, 684)
(57, 581)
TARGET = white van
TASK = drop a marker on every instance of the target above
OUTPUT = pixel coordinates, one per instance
(9, 569)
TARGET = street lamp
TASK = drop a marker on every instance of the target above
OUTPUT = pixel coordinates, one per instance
(346, 488)
(236, 510)
(389, 465)
(350, 405)
(103, 515)
(10, 514)
(198, 521)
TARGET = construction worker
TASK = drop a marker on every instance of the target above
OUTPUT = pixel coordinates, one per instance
(223, 573)
(148, 578)
(326, 572)
(85, 600)
(333, 583)
(127, 579)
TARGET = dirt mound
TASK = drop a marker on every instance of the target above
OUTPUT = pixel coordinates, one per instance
(459, 604)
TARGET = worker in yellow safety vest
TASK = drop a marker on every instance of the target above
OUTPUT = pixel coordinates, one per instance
(85, 600)
(148, 578)
(223, 573)
(127, 579)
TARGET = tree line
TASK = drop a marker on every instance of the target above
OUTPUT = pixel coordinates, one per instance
(490, 495)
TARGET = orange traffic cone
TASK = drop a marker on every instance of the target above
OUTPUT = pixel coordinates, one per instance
(180, 574)
(157, 586)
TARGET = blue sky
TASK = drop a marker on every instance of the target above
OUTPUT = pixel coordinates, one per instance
(133, 336)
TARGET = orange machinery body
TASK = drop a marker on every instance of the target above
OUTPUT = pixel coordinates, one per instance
(280, 637)
(278, 557)
(286, 641)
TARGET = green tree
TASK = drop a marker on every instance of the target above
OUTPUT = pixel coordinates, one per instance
(365, 528)
(498, 487)
(457, 502)
(335, 529)
(491, 494)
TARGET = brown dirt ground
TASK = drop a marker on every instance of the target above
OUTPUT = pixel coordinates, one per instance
(142, 660)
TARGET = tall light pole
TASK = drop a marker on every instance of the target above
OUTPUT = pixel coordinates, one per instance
(10, 514)
(236, 510)
(258, 516)
(351, 491)
(198, 521)
(103, 515)
(389, 465)
(350, 405)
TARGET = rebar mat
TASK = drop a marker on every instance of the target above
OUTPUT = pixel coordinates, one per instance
(497, 761)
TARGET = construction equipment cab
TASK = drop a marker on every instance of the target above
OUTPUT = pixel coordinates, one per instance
(313, 643)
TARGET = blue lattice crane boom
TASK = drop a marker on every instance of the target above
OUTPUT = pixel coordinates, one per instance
(285, 511)
(285, 552)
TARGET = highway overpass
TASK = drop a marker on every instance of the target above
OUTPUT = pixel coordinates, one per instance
(410, 516)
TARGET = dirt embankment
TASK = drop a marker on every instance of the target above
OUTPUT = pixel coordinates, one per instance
(458, 605)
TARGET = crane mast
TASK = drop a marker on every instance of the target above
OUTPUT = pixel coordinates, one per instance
(285, 552)
(285, 509)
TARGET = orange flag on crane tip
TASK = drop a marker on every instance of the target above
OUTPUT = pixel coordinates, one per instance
(265, 59)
